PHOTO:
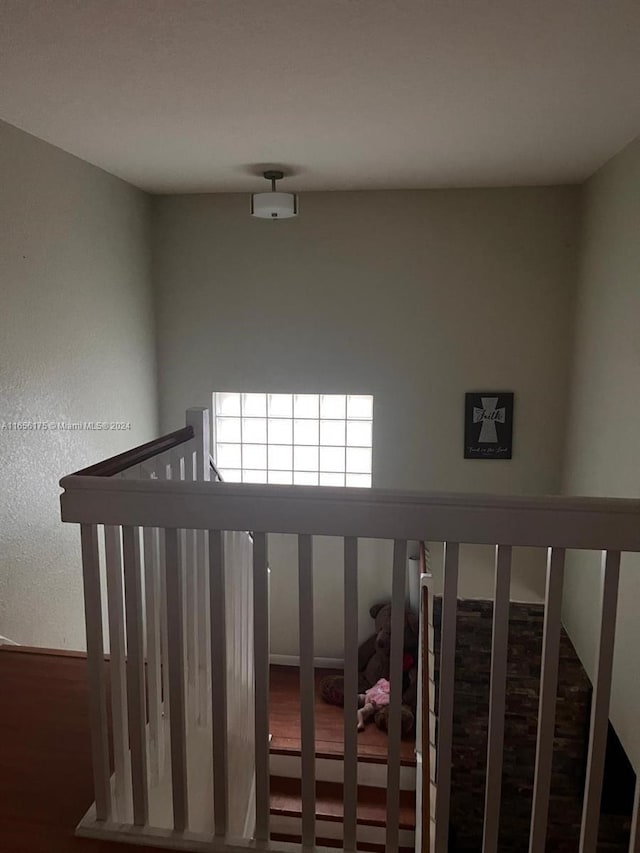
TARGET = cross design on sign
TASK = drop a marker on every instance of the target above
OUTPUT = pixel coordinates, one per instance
(489, 414)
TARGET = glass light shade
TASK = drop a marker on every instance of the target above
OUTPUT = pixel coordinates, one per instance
(274, 205)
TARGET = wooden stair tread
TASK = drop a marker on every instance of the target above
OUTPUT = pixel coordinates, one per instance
(286, 800)
(284, 722)
(368, 846)
(335, 751)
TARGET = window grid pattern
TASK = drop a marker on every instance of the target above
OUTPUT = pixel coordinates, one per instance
(294, 439)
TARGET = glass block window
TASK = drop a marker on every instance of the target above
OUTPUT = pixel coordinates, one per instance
(294, 439)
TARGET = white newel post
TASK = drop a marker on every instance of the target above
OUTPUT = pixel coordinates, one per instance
(199, 419)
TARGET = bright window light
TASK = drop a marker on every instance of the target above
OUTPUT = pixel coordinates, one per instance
(294, 439)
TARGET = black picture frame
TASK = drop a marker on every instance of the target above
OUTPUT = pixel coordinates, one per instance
(488, 425)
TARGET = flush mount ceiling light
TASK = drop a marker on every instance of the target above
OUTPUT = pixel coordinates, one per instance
(274, 205)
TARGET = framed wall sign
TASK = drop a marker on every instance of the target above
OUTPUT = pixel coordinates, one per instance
(488, 425)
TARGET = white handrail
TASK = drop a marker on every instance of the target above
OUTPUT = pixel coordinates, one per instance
(590, 523)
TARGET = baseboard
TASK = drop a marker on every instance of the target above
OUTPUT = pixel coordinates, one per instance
(294, 660)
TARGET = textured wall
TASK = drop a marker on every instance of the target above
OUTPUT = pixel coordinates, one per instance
(415, 297)
(76, 344)
(603, 450)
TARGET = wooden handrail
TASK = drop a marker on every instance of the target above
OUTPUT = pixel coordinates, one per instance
(119, 463)
(214, 468)
(423, 557)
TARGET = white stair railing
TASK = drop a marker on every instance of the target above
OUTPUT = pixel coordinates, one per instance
(188, 626)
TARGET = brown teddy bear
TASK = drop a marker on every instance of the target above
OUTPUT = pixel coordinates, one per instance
(373, 667)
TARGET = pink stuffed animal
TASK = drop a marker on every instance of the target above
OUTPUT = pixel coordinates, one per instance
(372, 700)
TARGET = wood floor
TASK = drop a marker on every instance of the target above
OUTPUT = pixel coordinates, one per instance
(284, 722)
(45, 764)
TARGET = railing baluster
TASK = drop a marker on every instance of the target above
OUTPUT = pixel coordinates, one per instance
(177, 471)
(634, 841)
(395, 698)
(610, 575)
(135, 673)
(218, 680)
(96, 674)
(495, 739)
(118, 672)
(445, 705)
(350, 765)
(246, 692)
(203, 626)
(161, 649)
(177, 710)
(199, 420)
(164, 631)
(307, 689)
(154, 675)
(547, 704)
(191, 607)
(423, 732)
(261, 657)
(162, 469)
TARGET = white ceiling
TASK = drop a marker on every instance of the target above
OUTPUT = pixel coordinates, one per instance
(198, 95)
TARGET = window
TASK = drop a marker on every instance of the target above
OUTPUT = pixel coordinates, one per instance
(294, 439)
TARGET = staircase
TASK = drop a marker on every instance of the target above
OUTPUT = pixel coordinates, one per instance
(472, 678)
(286, 814)
(285, 770)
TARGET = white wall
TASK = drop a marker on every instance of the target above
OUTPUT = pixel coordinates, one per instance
(415, 297)
(603, 450)
(76, 344)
